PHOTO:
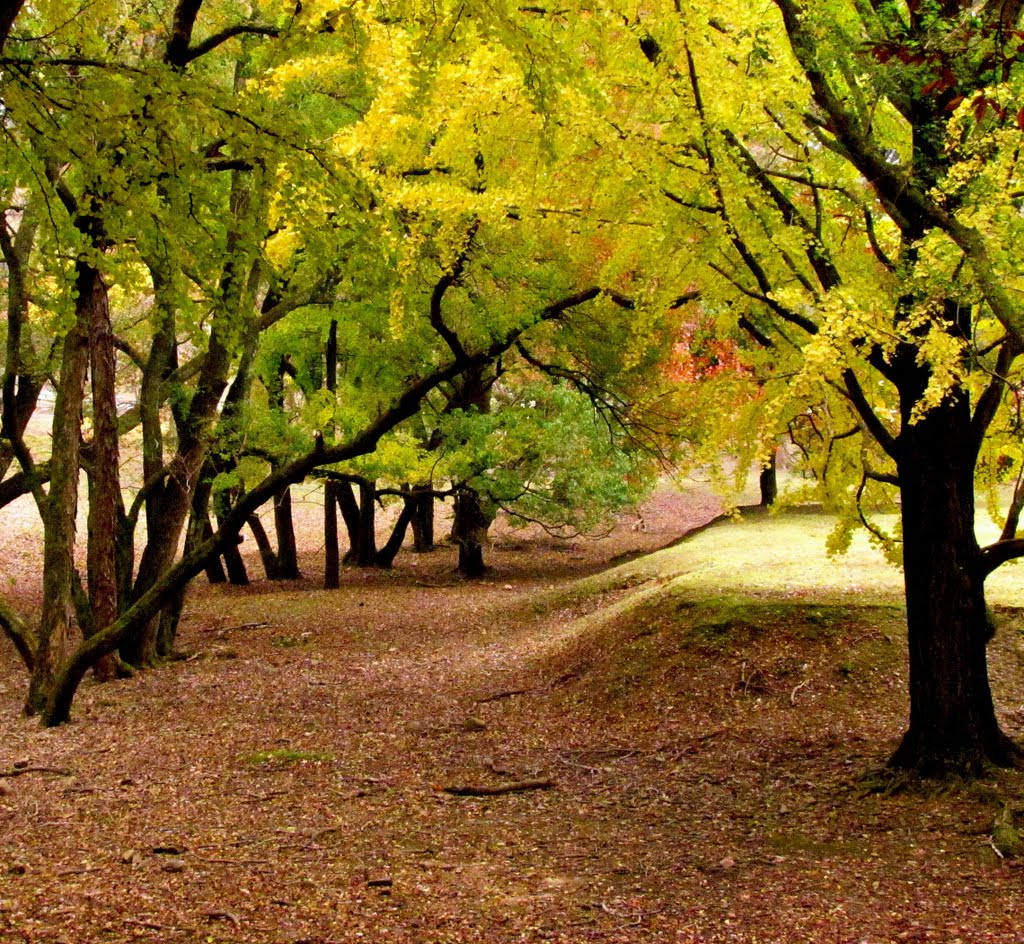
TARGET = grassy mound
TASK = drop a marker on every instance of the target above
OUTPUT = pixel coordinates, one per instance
(750, 609)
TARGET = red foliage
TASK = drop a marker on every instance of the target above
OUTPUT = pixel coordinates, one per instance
(698, 355)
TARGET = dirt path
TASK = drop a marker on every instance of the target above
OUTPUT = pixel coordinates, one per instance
(285, 785)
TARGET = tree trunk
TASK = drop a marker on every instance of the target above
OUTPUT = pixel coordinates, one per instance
(386, 555)
(60, 512)
(167, 518)
(287, 549)
(263, 545)
(953, 727)
(470, 533)
(366, 550)
(20, 389)
(332, 558)
(105, 490)
(768, 482)
(423, 521)
(1012, 522)
(349, 508)
(215, 566)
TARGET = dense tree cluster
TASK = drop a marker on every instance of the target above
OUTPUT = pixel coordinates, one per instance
(516, 257)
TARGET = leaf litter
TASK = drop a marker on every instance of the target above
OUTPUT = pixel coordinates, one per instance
(679, 779)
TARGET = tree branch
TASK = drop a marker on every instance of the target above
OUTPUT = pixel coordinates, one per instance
(995, 555)
(217, 39)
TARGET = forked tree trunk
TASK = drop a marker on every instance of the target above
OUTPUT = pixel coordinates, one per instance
(953, 726)
(387, 554)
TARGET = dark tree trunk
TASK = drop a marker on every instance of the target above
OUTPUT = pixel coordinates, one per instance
(266, 549)
(332, 558)
(366, 549)
(386, 555)
(20, 389)
(470, 533)
(8, 14)
(287, 550)
(215, 566)
(349, 508)
(423, 520)
(238, 576)
(768, 481)
(167, 517)
(1012, 522)
(953, 727)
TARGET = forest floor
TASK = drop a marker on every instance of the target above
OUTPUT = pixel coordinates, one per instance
(689, 768)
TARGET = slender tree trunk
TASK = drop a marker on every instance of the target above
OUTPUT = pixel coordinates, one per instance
(105, 491)
(215, 566)
(386, 555)
(1012, 522)
(287, 549)
(167, 519)
(366, 551)
(20, 389)
(266, 549)
(332, 558)
(349, 508)
(953, 726)
(61, 508)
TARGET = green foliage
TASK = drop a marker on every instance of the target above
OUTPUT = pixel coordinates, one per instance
(544, 455)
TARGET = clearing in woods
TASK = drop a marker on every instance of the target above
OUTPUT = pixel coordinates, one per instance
(671, 750)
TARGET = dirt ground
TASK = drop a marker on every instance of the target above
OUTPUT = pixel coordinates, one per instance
(296, 779)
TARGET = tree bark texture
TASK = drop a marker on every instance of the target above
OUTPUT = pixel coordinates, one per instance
(105, 492)
(423, 521)
(62, 505)
(470, 533)
(953, 726)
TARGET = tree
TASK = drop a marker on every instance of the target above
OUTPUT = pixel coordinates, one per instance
(854, 176)
(182, 258)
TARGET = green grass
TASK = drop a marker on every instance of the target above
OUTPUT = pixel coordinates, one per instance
(782, 557)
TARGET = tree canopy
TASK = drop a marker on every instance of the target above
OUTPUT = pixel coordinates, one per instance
(483, 241)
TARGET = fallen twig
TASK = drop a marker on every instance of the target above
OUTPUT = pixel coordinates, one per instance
(497, 696)
(154, 926)
(222, 916)
(519, 786)
(18, 771)
(792, 694)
